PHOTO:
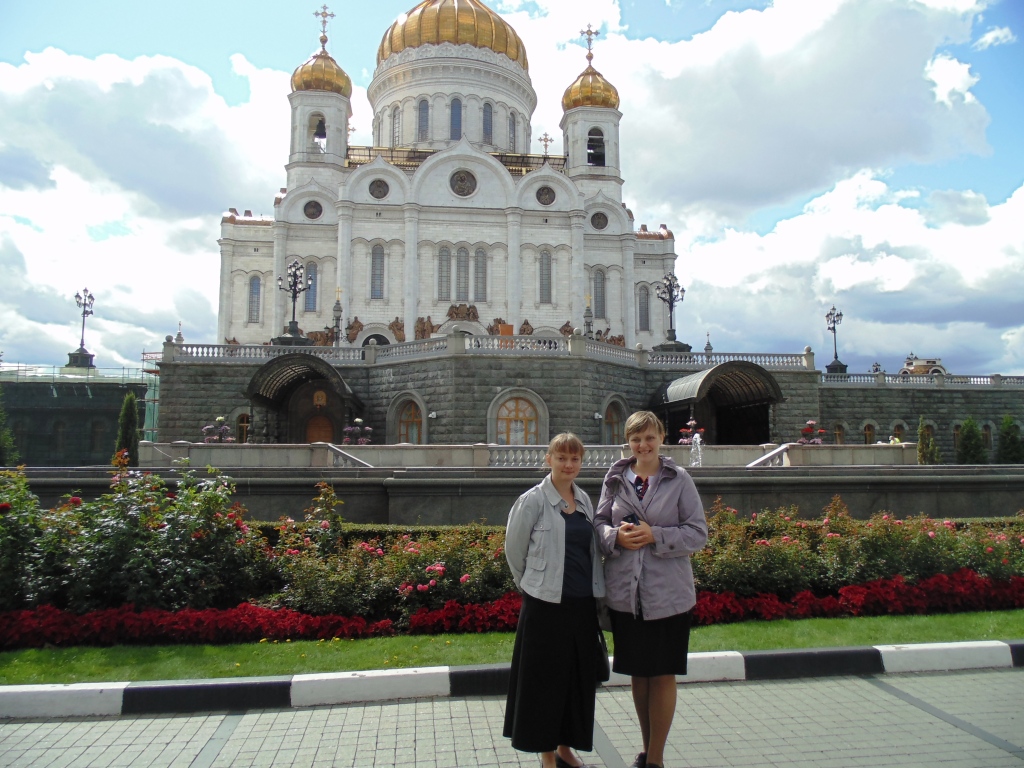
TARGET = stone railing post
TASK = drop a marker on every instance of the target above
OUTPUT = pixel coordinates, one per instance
(370, 352)
(456, 341)
(577, 344)
(940, 379)
(808, 359)
(168, 349)
(641, 356)
(880, 378)
(997, 379)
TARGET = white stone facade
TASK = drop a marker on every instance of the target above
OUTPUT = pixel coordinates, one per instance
(526, 239)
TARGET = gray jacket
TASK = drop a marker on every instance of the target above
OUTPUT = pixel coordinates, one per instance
(658, 574)
(535, 542)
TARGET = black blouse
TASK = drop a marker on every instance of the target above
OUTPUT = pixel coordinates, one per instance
(578, 577)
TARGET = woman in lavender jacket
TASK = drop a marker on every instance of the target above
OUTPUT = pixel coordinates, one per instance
(649, 521)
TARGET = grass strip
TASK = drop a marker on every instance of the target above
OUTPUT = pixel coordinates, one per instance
(182, 662)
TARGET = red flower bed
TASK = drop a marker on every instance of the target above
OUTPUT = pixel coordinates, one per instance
(962, 591)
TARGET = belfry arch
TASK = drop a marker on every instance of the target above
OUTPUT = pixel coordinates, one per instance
(303, 399)
(733, 402)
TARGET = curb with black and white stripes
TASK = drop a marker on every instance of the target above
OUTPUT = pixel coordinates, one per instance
(235, 694)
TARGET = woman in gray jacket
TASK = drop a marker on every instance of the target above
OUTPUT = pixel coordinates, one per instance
(649, 521)
(551, 548)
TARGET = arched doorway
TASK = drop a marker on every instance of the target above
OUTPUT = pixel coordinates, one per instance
(732, 402)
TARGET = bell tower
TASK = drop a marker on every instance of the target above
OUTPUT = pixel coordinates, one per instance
(320, 107)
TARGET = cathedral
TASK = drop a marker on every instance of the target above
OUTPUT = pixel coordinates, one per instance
(448, 219)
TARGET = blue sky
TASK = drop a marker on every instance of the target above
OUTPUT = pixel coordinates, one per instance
(865, 153)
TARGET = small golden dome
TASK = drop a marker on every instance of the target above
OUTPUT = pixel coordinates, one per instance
(322, 73)
(590, 90)
(468, 22)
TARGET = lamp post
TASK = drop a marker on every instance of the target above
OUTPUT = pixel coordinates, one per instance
(588, 320)
(81, 357)
(336, 312)
(672, 293)
(832, 319)
(296, 284)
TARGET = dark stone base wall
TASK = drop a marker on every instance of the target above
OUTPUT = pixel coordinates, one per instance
(460, 388)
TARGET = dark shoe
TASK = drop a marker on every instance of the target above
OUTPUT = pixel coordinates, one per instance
(562, 764)
(654, 765)
(641, 761)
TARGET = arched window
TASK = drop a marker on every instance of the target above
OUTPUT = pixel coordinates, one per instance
(839, 433)
(614, 423)
(869, 434)
(444, 275)
(377, 272)
(986, 436)
(310, 300)
(396, 127)
(956, 437)
(98, 436)
(462, 275)
(242, 428)
(644, 305)
(512, 132)
(488, 124)
(410, 423)
(595, 147)
(517, 422)
(929, 430)
(423, 123)
(599, 303)
(456, 120)
(898, 431)
(480, 275)
(545, 277)
(254, 299)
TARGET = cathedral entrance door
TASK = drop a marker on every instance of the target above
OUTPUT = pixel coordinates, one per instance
(319, 429)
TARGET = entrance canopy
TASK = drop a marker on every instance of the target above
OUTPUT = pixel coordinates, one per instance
(732, 384)
(273, 382)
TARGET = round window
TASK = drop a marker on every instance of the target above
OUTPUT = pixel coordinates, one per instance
(599, 220)
(313, 210)
(545, 195)
(463, 183)
(379, 189)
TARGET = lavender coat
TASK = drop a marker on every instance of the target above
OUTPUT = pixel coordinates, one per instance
(658, 574)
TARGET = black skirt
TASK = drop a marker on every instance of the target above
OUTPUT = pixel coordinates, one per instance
(552, 685)
(650, 648)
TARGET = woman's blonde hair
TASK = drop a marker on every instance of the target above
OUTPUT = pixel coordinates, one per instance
(641, 421)
(566, 442)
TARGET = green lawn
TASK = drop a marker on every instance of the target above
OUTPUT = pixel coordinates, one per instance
(176, 662)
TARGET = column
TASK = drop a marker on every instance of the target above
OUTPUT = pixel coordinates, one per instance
(628, 290)
(225, 311)
(343, 270)
(277, 316)
(577, 272)
(514, 272)
(412, 269)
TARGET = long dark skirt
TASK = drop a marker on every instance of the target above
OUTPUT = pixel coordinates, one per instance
(650, 648)
(552, 686)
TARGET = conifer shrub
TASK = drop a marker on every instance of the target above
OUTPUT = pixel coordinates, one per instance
(1010, 448)
(971, 448)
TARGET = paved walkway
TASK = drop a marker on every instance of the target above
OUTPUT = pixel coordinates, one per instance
(964, 719)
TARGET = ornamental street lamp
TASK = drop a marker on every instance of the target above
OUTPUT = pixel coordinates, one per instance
(833, 319)
(672, 293)
(336, 312)
(81, 358)
(296, 284)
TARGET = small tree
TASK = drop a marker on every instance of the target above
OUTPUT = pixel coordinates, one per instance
(1011, 448)
(128, 429)
(927, 450)
(971, 449)
(8, 451)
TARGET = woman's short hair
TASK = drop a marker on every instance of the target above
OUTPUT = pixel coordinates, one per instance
(566, 442)
(641, 421)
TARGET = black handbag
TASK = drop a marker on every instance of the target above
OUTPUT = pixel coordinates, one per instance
(603, 669)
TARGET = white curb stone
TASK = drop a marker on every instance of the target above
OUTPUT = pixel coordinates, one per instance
(701, 668)
(371, 685)
(79, 699)
(934, 657)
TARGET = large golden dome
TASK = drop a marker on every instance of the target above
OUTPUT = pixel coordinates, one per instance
(469, 22)
(322, 73)
(590, 90)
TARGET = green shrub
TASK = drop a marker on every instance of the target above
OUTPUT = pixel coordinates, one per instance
(970, 448)
(1010, 449)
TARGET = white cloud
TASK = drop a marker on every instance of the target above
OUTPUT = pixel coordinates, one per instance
(995, 36)
(952, 80)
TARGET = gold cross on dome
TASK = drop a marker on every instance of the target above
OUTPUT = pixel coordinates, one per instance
(590, 34)
(351, 130)
(546, 141)
(323, 15)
